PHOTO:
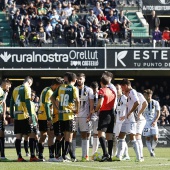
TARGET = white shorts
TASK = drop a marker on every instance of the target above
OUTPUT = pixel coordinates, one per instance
(117, 128)
(150, 130)
(129, 127)
(82, 125)
(140, 126)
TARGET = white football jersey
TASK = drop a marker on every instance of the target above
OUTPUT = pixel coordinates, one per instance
(150, 112)
(132, 98)
(121, 107)
(85, 94)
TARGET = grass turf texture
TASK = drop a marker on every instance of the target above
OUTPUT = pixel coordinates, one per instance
(161, 161)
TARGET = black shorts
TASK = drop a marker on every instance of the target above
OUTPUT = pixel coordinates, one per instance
(58, 128)
(63, 126)
(2, 123)
(43, 126)
(106, 121)
(22, 127)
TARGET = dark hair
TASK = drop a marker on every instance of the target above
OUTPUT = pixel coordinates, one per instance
(71, 76)
(6, 80)
(81, 75)
(94, 85)
(108, 74)
(148, 91)
(104, 79)
(125, 81)
(166, 28)
(27, 79)
(57, 80)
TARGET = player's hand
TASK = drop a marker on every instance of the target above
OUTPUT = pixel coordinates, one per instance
(5, 122)
(88, 118)
(75, 111)
(139, 115)
(122, 118)
(30, 120)
(153, 124)
(128, 115)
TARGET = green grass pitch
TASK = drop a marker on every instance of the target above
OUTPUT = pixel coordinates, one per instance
(161, 162)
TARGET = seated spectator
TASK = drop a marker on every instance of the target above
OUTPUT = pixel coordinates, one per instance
(157, 36)
(166, 100)
(101, 17)
(41, 37)
(68, 9)
(27, 30)
(90, 37)
(34, 21)
(124, 28)
(40, 24)
(72, 37)
(59, 9)
(66, 28)
(113, 3)
(81, 37)
(90, 18)
(122, 17)
(164, 116)
(97, 9)
(95, 25)
(12, 10)
(37, 3)
(41, 11)
(106, 27)
(107, 8)
(165, 37)
(111, 17)
(48, 30)
(115, 30)
(48, 5)
(101, 38)
(55, 4)
(23, 10)
(73, 18)
(62, 17)
(31, 9)
(54, 18)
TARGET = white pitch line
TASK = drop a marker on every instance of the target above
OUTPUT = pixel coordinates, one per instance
(118, 167)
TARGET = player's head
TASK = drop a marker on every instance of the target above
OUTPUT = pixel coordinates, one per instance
(94, 85)
(56, 83)
(69, 77)
(148, 94)
(119, 89)
(28, 80)
(81, 79)
(109, 75)
(33, 94)
(104, 80)
(6, 84)
(125, 85)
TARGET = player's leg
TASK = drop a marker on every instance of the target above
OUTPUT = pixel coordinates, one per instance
(36, 144)
(74, 136)
(2, 139)
(154, 133)
(26, 138)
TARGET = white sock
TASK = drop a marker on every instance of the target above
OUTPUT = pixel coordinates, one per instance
(95, 145)
(87, 148)
(154, 144)
(148, 144)
(121, 148)
(136, 149)
(115, 145)
(126, 154)
(140, 143)
(84, 148)
(74, 146)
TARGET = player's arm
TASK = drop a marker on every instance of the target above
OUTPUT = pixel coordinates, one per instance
(12, 107)
(157, 115)
(48, 105)
(135, 105)
(53, 99)
(28, 100)
(144, 106)
(77, 101)
(4, 110)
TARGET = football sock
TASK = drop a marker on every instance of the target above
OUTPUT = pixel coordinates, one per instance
(103, 145)
(136, 149)
(154, 143)
(36, 145)
(63, 145)
(110, 147)
(87, 148)
(26, 146)
(121, 148)
(58, 148)
(140, 144)
(51, 151)
(84, 148)
(18, 147)
(66, 149)
(125, 149)
(74, 146)
(148, 144)
(32, 147)
(2, 146)
(95, 144)
(114, 145)
(71, 150)
(41, 149)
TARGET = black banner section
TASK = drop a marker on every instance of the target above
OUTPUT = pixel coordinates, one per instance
(161, 7)
(134, 59)
(164, 137)
(51, 58)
